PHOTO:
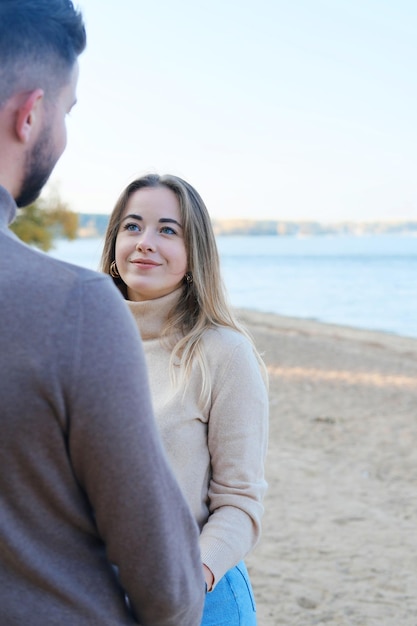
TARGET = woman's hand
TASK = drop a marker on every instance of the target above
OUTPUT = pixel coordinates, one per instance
(208, 577)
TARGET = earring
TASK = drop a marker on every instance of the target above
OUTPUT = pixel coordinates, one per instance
(114, 272)
(189, 278)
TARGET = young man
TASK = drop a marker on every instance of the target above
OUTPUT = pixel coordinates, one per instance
(93, 527)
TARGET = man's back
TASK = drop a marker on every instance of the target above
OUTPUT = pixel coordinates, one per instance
(76, 446)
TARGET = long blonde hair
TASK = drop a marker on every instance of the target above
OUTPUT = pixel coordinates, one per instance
(203, 304)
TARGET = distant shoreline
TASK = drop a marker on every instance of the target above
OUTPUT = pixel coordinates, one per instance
(94, 225)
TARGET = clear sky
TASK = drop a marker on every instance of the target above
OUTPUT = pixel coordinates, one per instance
(272, 109)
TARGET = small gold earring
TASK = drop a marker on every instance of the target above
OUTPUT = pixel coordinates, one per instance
(189, 278)
(114, 272)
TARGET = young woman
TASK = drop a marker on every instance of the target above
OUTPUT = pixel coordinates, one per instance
(207, 381)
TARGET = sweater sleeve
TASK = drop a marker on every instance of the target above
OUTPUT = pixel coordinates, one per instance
(237, 439)
(141, 516)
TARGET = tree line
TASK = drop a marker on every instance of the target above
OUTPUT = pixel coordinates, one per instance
(39, 223)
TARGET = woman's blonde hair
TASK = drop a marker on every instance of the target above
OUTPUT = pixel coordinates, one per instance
(203, 304)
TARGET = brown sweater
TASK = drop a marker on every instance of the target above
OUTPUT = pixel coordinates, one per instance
(217, 454)
(84, 483)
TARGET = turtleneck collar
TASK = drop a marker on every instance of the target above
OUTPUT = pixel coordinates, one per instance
(7, 208)
(151, 315)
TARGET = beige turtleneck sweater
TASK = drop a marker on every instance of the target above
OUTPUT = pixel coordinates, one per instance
(218, 454)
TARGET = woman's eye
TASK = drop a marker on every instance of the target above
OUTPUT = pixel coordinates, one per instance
(167, 230)
(131, 226)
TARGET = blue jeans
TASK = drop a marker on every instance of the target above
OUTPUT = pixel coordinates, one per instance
(232, 602)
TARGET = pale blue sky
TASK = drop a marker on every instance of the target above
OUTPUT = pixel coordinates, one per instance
(295, 109)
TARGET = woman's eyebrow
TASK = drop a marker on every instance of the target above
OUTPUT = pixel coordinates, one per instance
(169, 220)
(162, 220)
(133, 216)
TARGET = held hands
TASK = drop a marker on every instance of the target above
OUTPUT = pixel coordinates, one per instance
(208, 577)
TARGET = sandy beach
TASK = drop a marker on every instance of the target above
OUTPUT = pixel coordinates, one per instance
(339, 544)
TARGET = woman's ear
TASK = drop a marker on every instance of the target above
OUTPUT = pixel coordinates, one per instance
(27, 114)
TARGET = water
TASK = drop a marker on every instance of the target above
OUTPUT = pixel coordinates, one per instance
(363, 282)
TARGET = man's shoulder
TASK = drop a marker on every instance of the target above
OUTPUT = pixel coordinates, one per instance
(50, 269)
(62, 269)
(64, 277)
(34, 274)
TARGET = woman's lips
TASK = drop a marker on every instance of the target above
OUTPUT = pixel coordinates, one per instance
(143, 263)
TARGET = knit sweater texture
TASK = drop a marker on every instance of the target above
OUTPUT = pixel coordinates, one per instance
(84, 481)
(217, 454)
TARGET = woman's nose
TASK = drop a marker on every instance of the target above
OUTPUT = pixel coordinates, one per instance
(145, 242)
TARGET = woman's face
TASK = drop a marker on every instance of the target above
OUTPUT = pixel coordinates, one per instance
(150, 249)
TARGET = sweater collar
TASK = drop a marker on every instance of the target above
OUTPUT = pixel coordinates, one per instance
(151, 315)
(7, 208)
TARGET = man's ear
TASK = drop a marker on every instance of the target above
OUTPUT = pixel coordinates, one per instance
(27, 114)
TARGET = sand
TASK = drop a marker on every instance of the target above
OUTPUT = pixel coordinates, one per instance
(339, 544)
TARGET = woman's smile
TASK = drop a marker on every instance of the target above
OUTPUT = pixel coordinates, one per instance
(145, 263)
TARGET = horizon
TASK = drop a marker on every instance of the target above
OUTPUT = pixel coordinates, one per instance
(93, 225)
(290, 221)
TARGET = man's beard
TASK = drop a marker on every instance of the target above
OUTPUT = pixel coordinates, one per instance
(38, 167)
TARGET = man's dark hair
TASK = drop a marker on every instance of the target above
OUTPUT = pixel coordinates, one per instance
(40, 41)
